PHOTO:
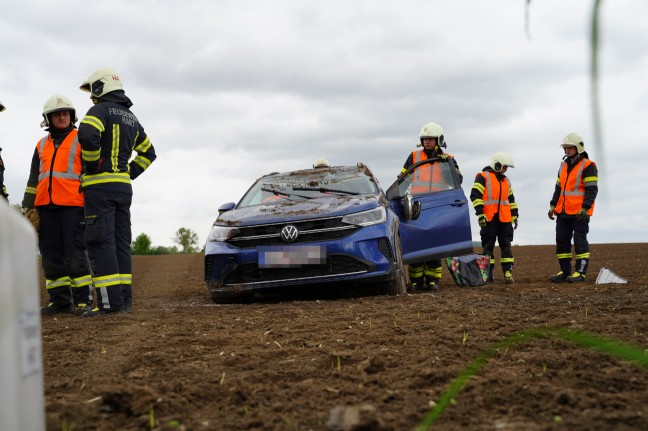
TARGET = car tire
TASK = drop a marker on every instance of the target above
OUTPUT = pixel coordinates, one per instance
(398, 285)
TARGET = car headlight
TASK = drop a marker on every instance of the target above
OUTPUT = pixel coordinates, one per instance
(366, 218)
(221, 233)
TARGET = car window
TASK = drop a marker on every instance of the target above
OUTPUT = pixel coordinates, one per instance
(309, 184)
(428, 176)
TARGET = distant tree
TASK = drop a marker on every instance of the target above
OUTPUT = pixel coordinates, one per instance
(187, 239)
(164, 250)
(141, 245)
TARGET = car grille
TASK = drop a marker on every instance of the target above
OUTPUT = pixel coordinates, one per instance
(336, 265)
(309, 230)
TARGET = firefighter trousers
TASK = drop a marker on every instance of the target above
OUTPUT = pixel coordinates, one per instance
(108, 237)
(566, 229)
(64, 260)
(502, 232)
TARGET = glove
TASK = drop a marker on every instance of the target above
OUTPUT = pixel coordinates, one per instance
(515, 222)
(552, 212)
(34, 217)
(482, 220)
(443, 156)
(582, 215)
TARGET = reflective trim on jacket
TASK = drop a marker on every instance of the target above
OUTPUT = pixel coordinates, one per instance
(496, 201)
(59, 172)
(572, 188)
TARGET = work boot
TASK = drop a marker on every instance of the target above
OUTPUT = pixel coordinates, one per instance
(576, 277)
(100, 312)
(432, 283)
(53, 309)
(508, 277)
(79, 309)
(561, 277)
(128, 305)
(417, 284)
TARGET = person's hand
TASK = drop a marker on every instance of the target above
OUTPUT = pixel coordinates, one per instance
(34, 217)
(443, 156)
(482, 220)
(552, 212)
(515, 222)
(582, 215)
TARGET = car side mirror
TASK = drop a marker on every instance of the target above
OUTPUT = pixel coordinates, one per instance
(412, 208)
(226, 207)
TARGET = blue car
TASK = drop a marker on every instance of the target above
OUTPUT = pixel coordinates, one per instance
(332, 226)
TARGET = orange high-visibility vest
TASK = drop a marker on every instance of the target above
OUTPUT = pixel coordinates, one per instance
(496, 197)
(572, 188)
(59, 172)
(427, 178)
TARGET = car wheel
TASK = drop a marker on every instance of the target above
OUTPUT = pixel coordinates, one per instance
(397, 286)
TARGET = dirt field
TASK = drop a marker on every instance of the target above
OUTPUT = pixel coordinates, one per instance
(177, 362)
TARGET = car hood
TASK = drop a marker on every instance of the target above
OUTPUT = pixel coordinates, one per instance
(302, 210)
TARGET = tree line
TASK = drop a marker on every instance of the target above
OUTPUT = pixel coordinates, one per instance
(185, 238)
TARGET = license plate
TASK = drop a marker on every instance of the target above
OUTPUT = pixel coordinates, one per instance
(293, 256)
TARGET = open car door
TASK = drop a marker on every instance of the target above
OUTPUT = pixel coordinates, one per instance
(433, 211)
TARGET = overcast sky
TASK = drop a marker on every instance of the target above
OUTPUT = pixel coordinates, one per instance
(230, 90)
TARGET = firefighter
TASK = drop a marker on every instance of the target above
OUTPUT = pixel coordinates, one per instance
(427, 275)
(3, 189)
(109, 133)
(572, 205)
(54, 204)
(497, 213)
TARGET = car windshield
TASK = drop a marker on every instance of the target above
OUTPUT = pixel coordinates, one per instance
(310, 184)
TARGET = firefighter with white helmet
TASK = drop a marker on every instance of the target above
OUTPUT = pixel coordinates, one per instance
(54, 205)
(109, 134)
(3, 189)
(572, 205)
(497, 212)
(427, 275)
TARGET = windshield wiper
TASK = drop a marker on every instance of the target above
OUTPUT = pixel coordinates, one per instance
(286, 194)
(326, 190)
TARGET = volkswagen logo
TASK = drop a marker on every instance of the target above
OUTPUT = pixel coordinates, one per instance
(289, 233)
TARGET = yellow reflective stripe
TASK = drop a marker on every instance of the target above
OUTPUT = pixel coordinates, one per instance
(106, 177)
(126, 278)
(82, 281)
(94, 122)
(91, 156)
(478, 203)
(114, 151)
(31, 190)
(507, 260)
(513, 205)
(63, 281)
(106, 280)
(479, 187)
(585, 255)
(143, 146)
(142, 161)
(564, 255)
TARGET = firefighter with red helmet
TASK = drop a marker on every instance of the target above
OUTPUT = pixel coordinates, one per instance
(572, 205)
(54, 204)
(427, 275)
(109, 134)
(497, 212)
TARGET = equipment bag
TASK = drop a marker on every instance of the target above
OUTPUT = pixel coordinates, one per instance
(469, 270)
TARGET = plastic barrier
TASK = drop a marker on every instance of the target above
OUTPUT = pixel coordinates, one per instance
(22, 405)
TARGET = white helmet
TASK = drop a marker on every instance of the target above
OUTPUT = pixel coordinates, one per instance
(101, 82)
(58, 103)
(321, 163)
(573, 140)
(499, 160)
(433, 130)
(2, 107)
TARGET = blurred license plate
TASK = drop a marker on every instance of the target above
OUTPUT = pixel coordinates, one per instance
(293, 256)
